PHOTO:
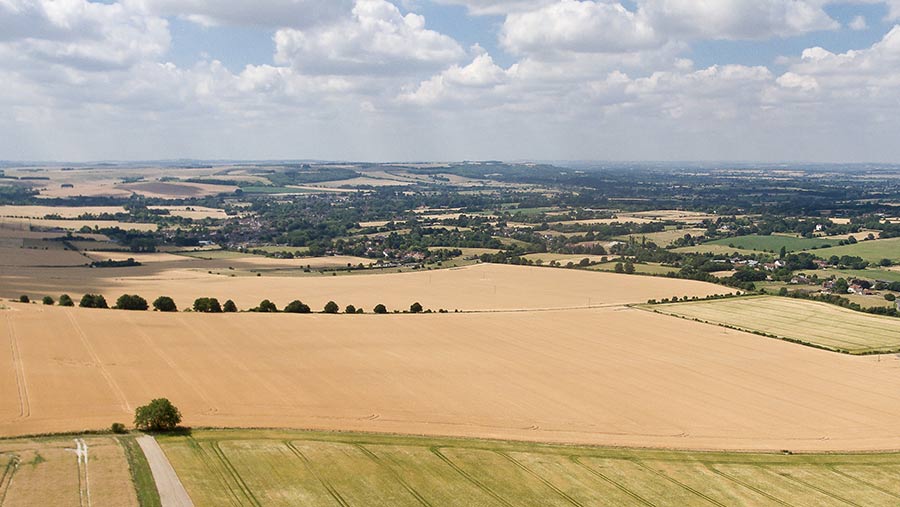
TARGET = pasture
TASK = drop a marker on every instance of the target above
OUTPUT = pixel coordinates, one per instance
(872, 251)
(613, 376)
(809, 322)
(65, 472)
(220, 468)
(715, 249)
(663, 238)
(774, 242)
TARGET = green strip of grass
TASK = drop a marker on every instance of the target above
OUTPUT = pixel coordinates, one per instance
(141, 476)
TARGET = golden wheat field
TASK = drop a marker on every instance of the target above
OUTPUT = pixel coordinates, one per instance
(610, 376)
(478, 287)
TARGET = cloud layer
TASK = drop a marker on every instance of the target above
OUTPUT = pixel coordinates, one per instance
(370, 79)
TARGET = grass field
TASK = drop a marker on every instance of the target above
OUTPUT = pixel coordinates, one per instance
(774, 243)
(220, 468)
(614, 376)
(64, 472)
(641, 269)
(866, 274)
(872, 251)
(810, 322)
(663, 238)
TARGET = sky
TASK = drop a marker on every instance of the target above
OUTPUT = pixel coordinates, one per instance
(442, 80)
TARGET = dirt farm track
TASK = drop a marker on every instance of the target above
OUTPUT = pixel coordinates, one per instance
(612, 376)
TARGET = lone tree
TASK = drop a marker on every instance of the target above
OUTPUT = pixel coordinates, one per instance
(165, 304)
(207, 305)
(93, 301)
(331, 307)
(379, 308)
(66, 300)
(229, 307)
(415, 307)
(297, 306)
(24, 299)
(131, 302)
(350, 309)
(48, 300)
(619, 268)
(158, 415)
(629, 268)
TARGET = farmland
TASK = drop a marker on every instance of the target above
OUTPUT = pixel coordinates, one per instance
(809, 322)
(477, 288)
(306, 468)
(605, 376)
(773, 243)
(872, 251)
(65, 472)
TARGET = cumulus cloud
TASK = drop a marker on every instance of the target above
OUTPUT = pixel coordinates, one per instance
(266, 13)
(737, 19)
(469, 83)
(378, 38)
(489, 7)
(79, 33)
(579, 26)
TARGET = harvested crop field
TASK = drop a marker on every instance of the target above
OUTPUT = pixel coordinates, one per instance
(12, 257)
(478, 287)
(811, 322)
(316, 469)
(61, 211)
(73, 225)
(611, 376)
(63, 472)
(165, 190)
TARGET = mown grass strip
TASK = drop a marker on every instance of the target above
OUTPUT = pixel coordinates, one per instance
(141, 475)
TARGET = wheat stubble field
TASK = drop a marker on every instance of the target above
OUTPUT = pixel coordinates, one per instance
(608, 376)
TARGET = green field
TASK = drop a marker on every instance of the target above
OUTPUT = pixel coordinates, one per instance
(866, 274)
(872, 251)
(662, 238)
(641, 269)
(774, 243)
(258, 468)
(809, 322)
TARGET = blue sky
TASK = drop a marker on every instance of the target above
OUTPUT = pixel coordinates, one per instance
(766, 80)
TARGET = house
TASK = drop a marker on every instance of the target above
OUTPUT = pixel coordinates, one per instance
(821, 264)
(821, 228)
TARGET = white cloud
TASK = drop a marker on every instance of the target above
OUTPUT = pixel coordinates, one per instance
(579, 26)
(737, 19)
(858, 23)
(495, 7)
(468, 84)
(79, 33)
(377, 39)
(266, 13)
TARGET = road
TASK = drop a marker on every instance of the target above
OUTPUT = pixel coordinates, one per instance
(171, 491)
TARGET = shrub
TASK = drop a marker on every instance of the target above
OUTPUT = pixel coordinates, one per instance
(379, 308)
(24, 299)
(207, 305)
(415, 308)
(619, 268)
(93, 301)
(886, 262)
(266, 306)
(297, 306)
(66, 300)
(890, 297)
(350, 309)
(131, 302)
(165, 304)
(158, 415)
(118, 427)
(229, 307)
(629, 267)
(48, 301)
(331, 307)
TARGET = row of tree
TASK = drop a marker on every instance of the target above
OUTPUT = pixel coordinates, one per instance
(206, 305)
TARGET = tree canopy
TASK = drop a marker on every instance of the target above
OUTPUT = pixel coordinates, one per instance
(165, 304)
(158, 415)
(131, 302)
